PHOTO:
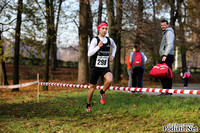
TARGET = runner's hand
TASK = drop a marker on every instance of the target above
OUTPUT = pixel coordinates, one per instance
(164, 58)
(100, 44)
(111, 58)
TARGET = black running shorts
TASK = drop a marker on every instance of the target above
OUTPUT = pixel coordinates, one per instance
(95, 74)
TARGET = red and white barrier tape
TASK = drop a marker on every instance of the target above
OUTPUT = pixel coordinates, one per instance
(156, 90)
(19, 85)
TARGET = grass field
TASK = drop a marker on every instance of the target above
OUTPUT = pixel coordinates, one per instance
(64, 111)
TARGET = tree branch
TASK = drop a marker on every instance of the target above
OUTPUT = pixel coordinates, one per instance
(9, 22)
(40, 7)
(5, 4)
(75, 23)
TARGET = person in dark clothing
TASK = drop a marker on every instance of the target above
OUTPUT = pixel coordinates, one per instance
(185, 75)
(137, 59)
(99, 53)
(167, 52)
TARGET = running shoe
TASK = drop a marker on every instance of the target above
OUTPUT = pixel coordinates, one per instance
(88, 109)
(102, 100)
(132, 91)
(165, 94)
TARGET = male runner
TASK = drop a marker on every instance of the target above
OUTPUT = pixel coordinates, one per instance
(99, 52)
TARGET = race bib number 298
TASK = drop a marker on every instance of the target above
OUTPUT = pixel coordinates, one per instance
(102, 61)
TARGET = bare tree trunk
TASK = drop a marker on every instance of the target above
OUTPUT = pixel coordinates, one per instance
(117, 63)
(17, 44)
(172, 12)
(155, 39)
(139, 22)
(83, 43)
(183, 47)
(111, 29)
(100, 12)
(175, 13)
(1, 60)
(90, 22)
(55, 37)
(53, 53)
(154, 21)
(53, 43)
(47, 45)
(4, 71)
(111, 19)
(3, 75)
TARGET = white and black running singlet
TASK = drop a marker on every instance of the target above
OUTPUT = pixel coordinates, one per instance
(101, 58)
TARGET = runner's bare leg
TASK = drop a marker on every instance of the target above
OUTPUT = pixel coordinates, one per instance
(90, 93)
(108, 80)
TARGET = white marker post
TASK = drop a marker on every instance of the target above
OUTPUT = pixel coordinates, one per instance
(38, 87)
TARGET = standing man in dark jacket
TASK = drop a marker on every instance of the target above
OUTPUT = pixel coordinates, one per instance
(167, 51)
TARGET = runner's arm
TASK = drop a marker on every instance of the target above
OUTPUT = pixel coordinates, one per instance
(114, 47)
(93, 47)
